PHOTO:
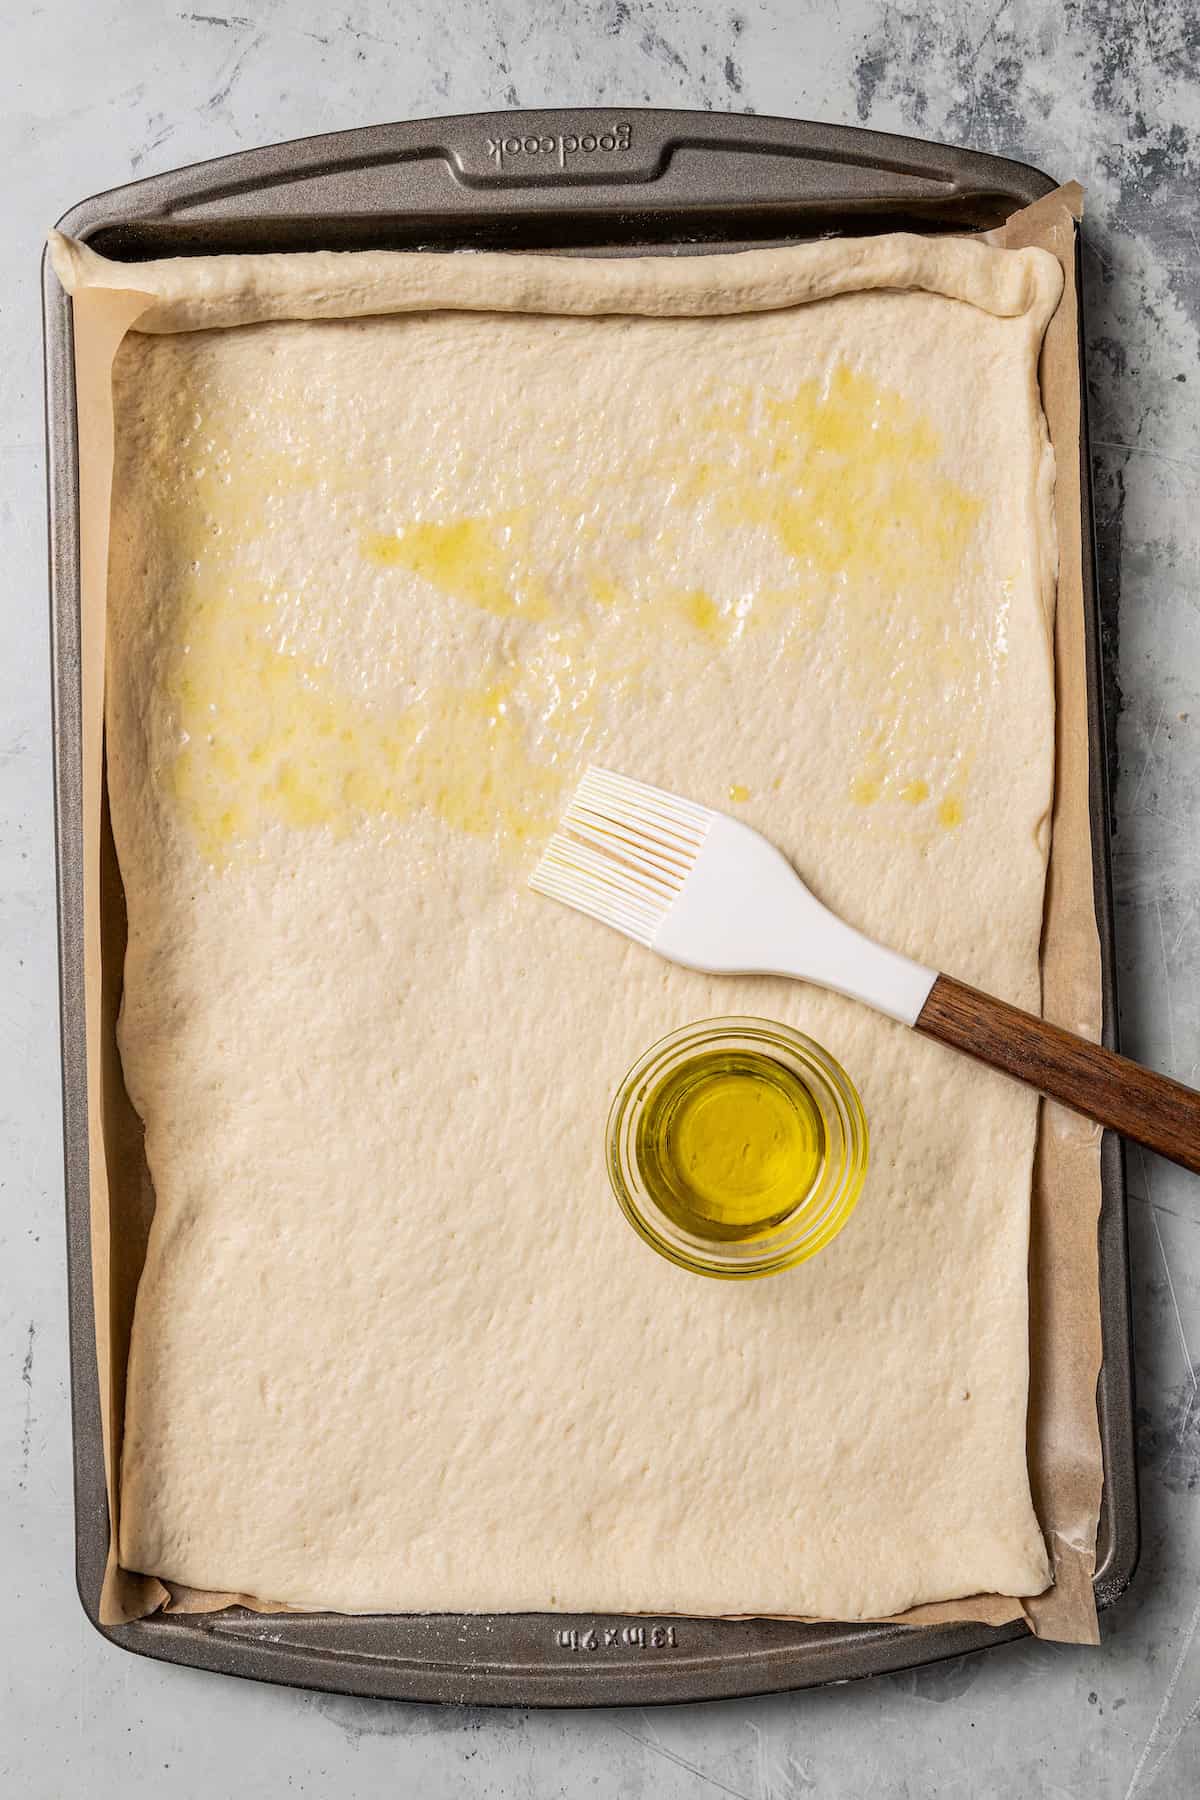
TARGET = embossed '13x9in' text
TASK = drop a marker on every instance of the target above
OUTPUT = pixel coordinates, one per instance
(617, 1637)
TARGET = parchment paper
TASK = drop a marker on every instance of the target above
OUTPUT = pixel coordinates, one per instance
(1064, 1443)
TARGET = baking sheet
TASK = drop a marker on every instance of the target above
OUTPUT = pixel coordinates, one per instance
(1065, 1460)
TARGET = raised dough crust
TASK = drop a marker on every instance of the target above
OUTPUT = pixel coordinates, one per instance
(394, 1347)
(193, 293)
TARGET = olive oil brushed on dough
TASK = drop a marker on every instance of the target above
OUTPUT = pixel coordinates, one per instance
(839, 474)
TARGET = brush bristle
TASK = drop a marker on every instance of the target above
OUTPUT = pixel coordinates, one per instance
(622, 853)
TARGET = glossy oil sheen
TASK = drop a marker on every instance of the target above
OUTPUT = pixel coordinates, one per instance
(729, 1144)
(834, 488)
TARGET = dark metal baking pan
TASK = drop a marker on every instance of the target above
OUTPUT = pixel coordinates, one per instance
(612, 181)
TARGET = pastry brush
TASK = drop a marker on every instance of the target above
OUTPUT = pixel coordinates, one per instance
(704, 890)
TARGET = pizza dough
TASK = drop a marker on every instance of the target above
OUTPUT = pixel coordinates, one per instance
(773, 530)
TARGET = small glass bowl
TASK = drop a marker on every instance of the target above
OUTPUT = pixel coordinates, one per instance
(818, 1214)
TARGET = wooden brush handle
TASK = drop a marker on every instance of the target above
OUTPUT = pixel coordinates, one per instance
(1152, 1110)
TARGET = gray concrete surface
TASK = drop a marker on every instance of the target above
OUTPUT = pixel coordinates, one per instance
(1106, 90)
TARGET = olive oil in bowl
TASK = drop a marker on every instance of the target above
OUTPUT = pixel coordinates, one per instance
(729, 1142)
(737, 1147)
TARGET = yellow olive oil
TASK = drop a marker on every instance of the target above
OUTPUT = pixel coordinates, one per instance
(729, 1143)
